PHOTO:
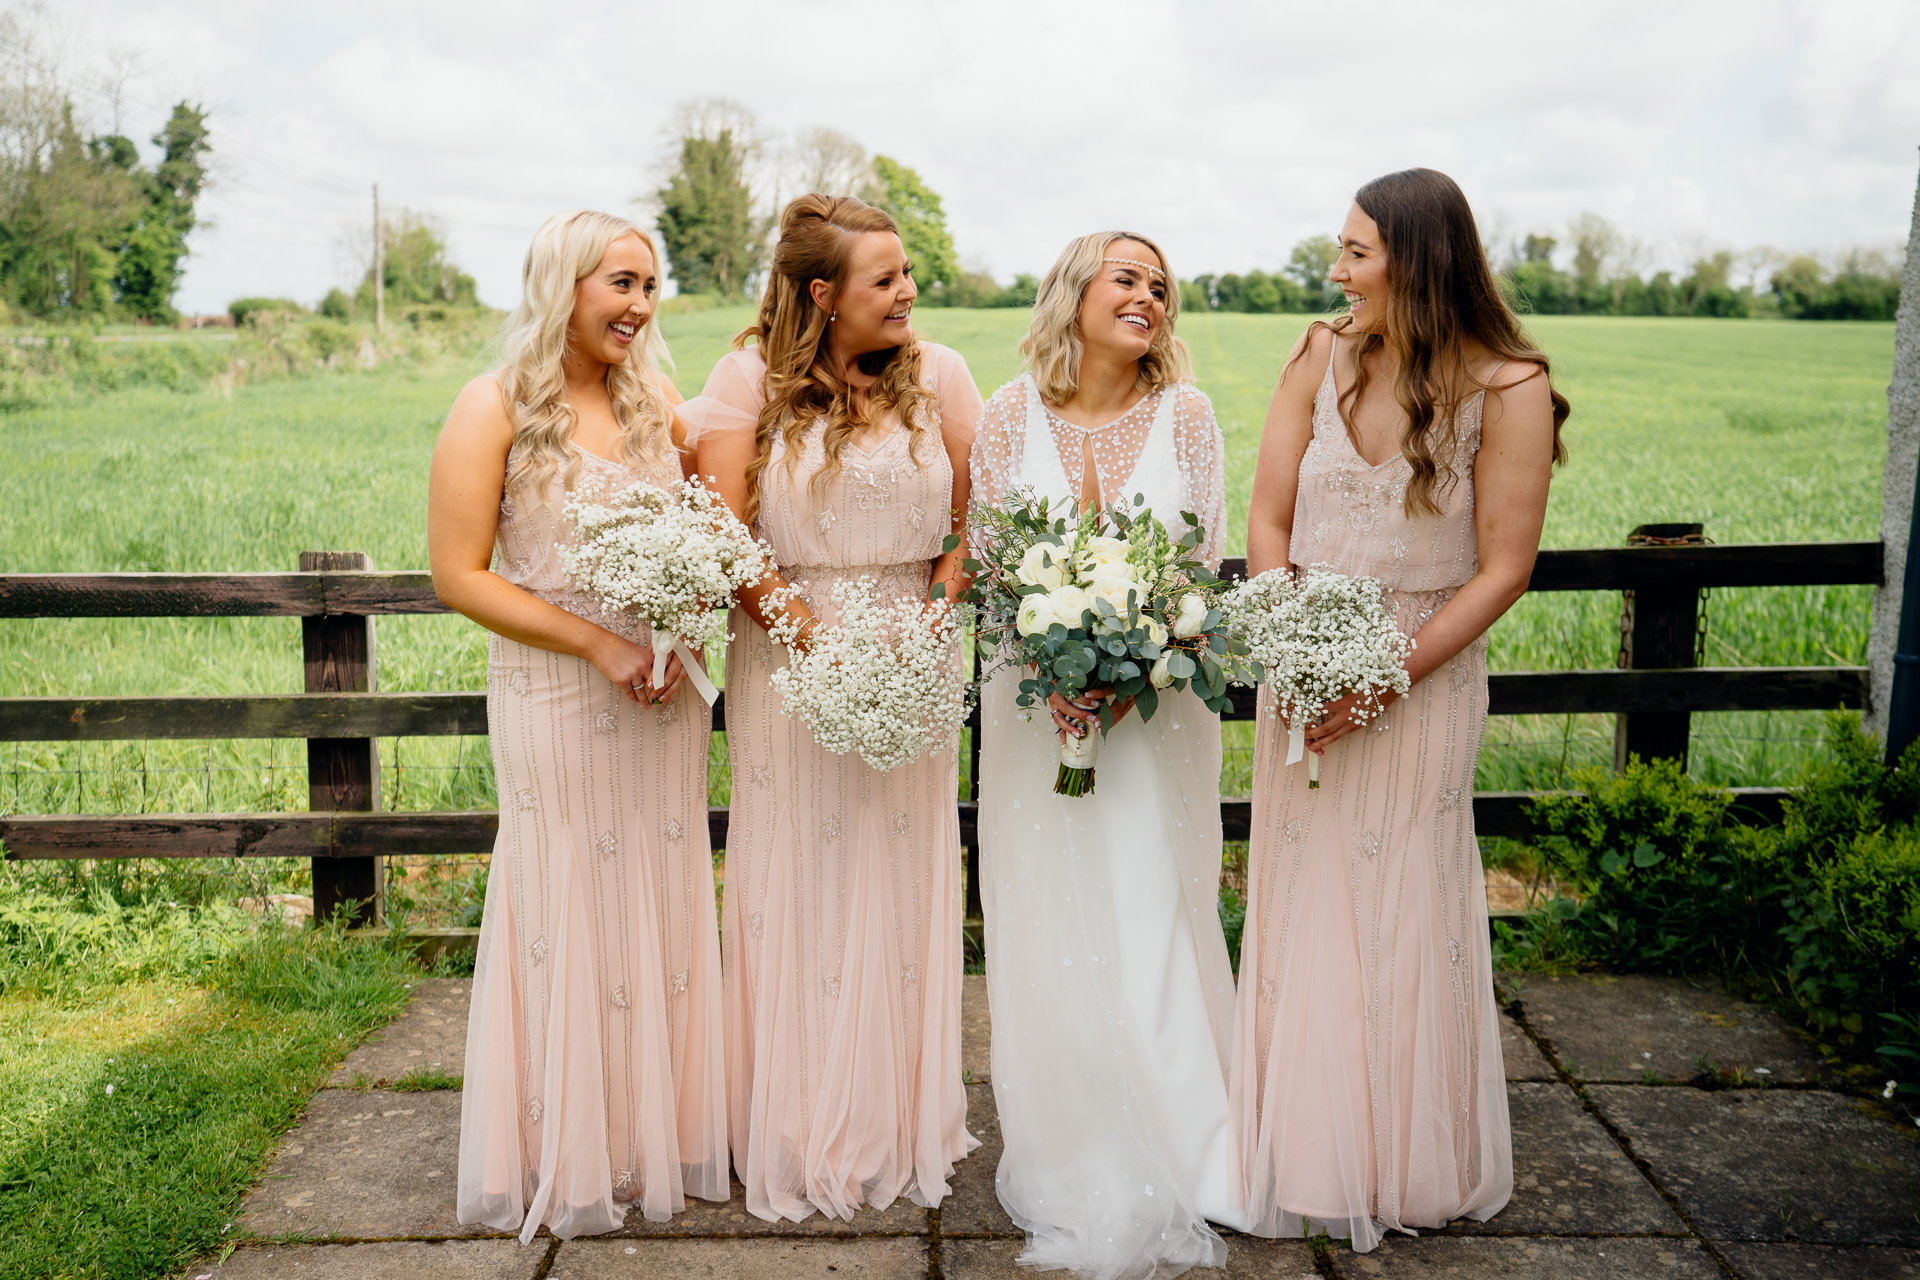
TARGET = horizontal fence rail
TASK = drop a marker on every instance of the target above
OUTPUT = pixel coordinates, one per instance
(428, 715)
(366, 835)
(371, 592)
(332, 595)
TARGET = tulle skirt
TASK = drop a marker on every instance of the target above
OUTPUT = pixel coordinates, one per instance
(594, 1071)
(1111, 991)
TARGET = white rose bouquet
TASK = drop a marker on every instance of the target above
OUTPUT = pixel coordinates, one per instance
(672, 557)
(884, 681)
(1100, 599)
(1316, 639)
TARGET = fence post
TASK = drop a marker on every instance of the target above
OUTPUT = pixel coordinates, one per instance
(1659, 628)
(342, 773)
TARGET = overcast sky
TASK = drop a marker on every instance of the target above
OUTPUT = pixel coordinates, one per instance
(1228, 131)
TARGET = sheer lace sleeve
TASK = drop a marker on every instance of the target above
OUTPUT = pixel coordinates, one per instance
(732, 398)
(945, 370)
(1202, 450)
(997, 446)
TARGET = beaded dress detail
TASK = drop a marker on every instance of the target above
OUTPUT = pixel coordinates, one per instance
(594, 1070)
(842, 910)
(1367, 1073)
(1107, 969)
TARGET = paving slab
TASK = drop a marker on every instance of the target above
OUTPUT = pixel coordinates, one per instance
(1808, 1261)
(1535, 1258)
(976, 1029)
(973, 1208)
(1774, 1164)
(384, 1260)
(375, 1164)
(430, 1033)
(1523, 1058)
(1569, 1175)
(1247, 1256)
(1617, 1029)
(600, 1258)
(731, 1219)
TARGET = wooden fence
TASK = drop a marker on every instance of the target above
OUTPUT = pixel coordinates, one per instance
(343, 712)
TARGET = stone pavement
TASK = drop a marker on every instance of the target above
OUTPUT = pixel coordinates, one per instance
(1625, 1167)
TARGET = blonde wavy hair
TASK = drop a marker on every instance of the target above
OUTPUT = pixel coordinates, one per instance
(1053, 345)
(817, 234)
(533, 343)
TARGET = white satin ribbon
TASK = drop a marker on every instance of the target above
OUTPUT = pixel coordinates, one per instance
(1296, 743)
(695, 669)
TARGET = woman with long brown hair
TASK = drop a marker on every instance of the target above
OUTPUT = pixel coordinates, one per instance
(843, 441)
(1412, 440)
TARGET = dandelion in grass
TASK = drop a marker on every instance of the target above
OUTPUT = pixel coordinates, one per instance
(1317, 639)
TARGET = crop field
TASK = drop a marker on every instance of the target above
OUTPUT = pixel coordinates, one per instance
(1766, 431)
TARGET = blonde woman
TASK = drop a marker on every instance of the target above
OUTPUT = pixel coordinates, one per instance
(1107, 970)
(842, 439)
(593, 1076)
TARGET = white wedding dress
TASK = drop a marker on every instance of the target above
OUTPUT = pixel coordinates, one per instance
(1112, 996)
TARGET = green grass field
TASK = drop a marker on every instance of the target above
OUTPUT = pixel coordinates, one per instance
(1766, 431)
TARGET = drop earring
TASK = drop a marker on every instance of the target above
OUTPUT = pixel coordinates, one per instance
(833, 317)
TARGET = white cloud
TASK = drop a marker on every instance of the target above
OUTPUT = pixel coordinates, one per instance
(1227, 129)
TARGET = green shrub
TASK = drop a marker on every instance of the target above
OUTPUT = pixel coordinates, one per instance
(336, 305)
(243, 309)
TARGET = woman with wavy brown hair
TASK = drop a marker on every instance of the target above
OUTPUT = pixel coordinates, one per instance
(1411, 439)
(843, 441)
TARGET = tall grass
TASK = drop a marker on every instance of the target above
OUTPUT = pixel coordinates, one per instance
(1765, 431)
(153, 1048)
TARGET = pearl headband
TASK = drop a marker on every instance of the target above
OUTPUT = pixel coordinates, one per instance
(1148, 267)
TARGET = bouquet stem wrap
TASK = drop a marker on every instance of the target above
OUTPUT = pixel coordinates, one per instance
(1297, 747)
(1077, 758)
(696, 670)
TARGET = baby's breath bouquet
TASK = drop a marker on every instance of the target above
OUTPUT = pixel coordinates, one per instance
(1316, 639)
(885, 681)
(1100, 599)
(672, 557)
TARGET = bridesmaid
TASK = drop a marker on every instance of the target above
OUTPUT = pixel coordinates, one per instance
(1411, 439)
(594, 1077)
(843, 441)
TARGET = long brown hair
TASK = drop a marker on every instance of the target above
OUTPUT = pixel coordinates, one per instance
(816, 243)
(1441, 292)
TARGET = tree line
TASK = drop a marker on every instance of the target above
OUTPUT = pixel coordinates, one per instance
(722, 181)
(88, 228)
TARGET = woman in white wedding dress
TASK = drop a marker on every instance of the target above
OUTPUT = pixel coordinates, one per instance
(1111, 992)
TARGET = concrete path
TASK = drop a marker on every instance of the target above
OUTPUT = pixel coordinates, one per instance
(1624, 1168)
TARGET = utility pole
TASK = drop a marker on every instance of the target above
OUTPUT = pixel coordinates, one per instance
(379, 269)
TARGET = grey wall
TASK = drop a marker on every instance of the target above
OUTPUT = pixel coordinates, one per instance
(1896, 502)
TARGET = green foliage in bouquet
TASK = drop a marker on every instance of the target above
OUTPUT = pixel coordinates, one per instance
(1101, 599)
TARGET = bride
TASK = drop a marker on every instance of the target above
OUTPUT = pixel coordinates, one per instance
(1107, 971)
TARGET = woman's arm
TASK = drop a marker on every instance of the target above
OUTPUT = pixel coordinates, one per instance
(1510, 479)
(463, 513)
(725, 456)
(1283, 443)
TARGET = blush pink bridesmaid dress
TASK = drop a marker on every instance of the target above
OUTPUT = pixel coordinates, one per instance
(1367, 1076)
(594, 1075)
(842, 909)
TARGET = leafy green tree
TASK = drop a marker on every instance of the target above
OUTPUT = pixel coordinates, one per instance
(155, 245)
(917, 210)
(70, 204)
(415, 269)
(1308, 265)
(713, 240)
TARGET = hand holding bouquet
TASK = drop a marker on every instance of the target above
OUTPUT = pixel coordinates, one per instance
(884, 681)
(1319, 639)
(1100, 599)
(672, 557)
